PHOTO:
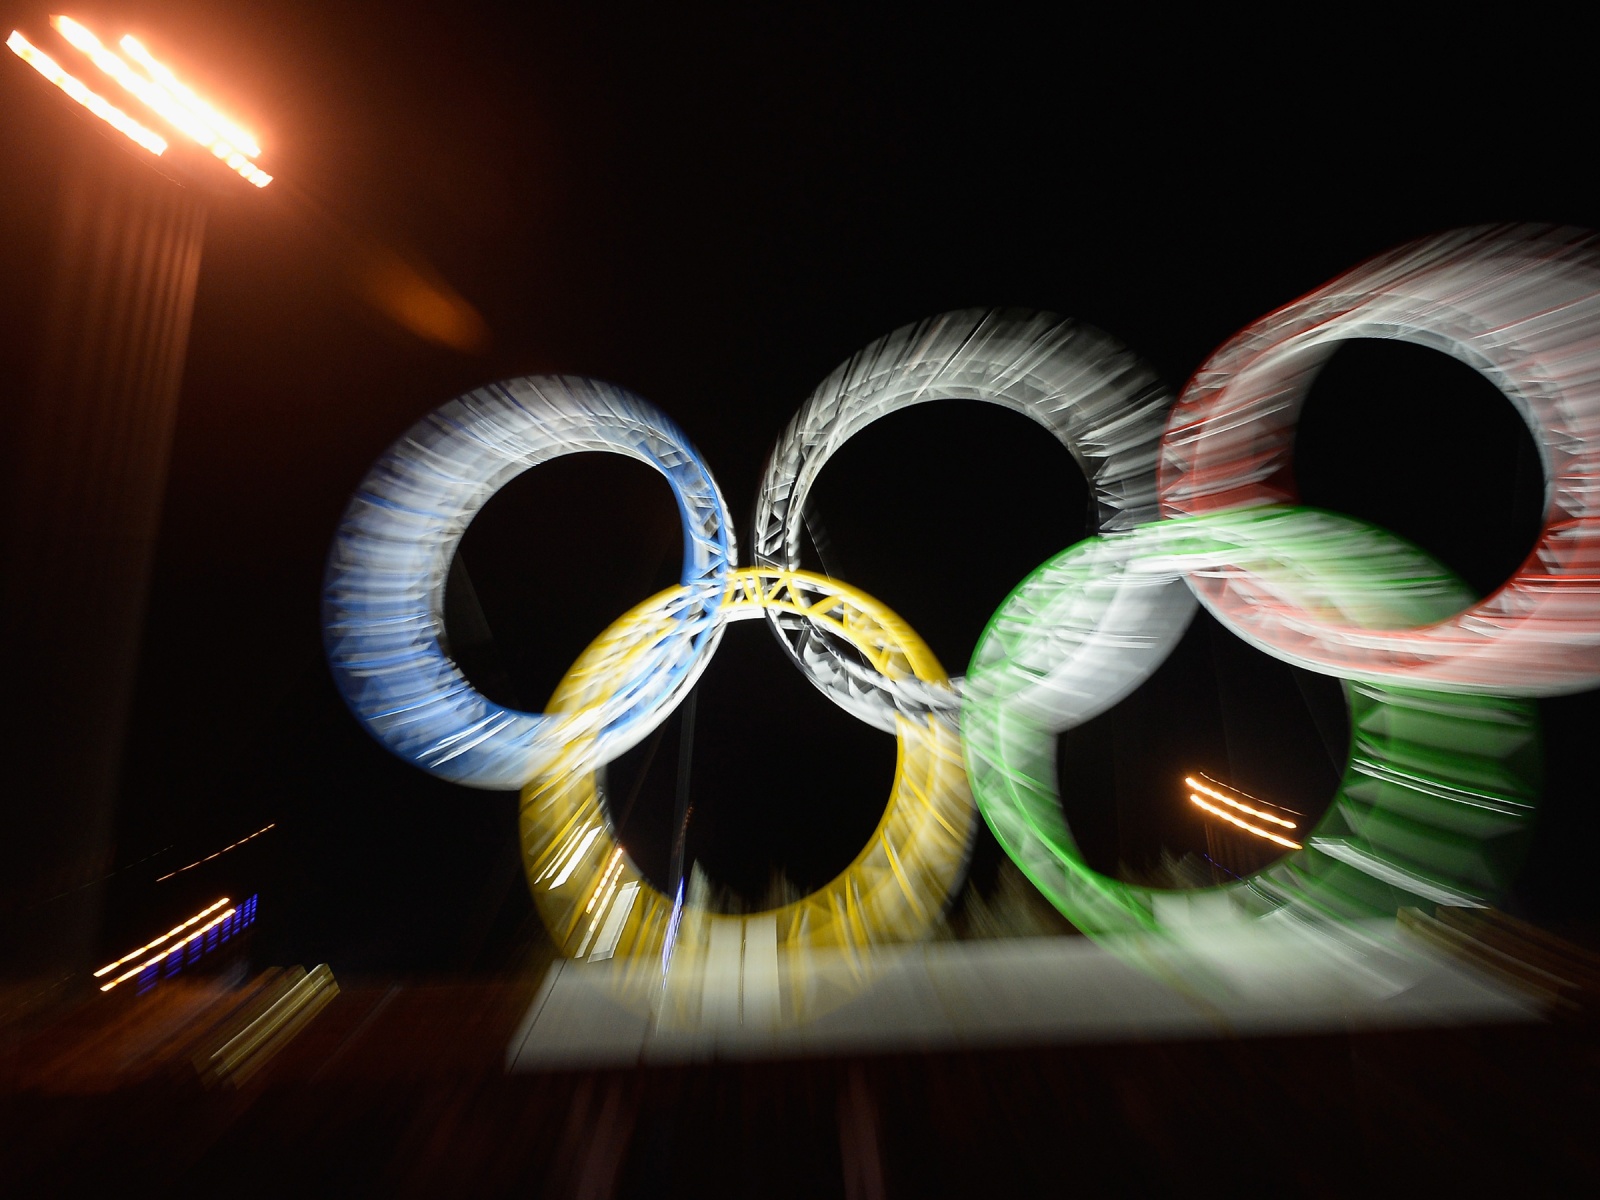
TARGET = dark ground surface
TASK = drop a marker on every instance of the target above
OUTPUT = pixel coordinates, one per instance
(399, 1090)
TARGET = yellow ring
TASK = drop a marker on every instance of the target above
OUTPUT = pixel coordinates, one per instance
(596, 903)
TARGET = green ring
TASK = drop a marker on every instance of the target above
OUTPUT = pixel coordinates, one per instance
(1433, 807)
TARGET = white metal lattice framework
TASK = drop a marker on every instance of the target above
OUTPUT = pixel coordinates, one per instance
(1104, 405)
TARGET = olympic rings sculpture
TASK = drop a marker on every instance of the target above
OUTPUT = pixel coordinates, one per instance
(1192, 504)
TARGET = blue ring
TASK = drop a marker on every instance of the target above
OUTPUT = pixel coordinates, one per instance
(383, 594)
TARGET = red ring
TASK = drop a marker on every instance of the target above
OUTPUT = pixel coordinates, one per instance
(1521, 304)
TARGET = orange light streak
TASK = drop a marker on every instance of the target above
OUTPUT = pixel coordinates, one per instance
(198, 933)
(173, 932)
(93, 101)
(1245, 825)
(1232, 803)
(218, 854)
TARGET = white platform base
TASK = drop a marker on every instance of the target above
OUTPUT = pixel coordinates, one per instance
(1220, 980)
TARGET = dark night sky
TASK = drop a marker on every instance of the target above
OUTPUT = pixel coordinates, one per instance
(715, 210)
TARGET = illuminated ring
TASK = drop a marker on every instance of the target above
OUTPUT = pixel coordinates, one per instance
(1522, 306)
(383, 599)
(1435, 799)
(1091, 393)
(596, 903)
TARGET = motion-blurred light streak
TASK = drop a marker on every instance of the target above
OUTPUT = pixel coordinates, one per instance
(252, 1038)
(171, 933)
(170, 950)
(218, 854)
(1234, 803)
(1243, 824)
(93, 101)
(413, 295)
(160, 92)
(140, 88)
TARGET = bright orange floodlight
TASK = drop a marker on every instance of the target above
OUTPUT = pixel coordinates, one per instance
(131, 81)
(95, 103)
(157, 88)
(194, 116)
(164, 78)
(160, 90)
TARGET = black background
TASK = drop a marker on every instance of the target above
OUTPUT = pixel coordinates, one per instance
(714, 208)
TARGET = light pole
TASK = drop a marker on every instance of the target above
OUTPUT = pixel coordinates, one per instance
(91, 434)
